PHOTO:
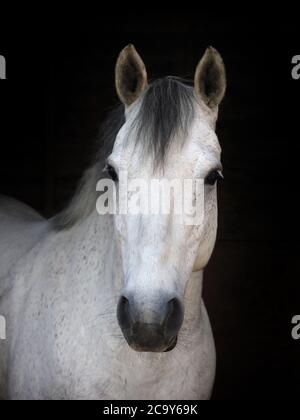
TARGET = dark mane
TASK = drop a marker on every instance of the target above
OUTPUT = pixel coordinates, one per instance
(166, 110)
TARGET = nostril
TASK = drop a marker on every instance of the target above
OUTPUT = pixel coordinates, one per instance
(123, 314)
(173, 305)
(174, 317)
(124, 301)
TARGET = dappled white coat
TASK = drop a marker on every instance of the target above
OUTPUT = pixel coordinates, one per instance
(59, 291)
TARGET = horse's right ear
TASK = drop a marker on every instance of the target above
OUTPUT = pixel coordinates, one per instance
(131, 75)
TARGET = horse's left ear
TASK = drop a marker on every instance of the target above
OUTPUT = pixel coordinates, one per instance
(210, 78)
(131, 75)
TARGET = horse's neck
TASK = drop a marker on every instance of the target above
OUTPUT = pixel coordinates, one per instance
(94, 242)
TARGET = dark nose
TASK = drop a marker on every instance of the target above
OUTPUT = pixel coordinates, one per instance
(147, 329)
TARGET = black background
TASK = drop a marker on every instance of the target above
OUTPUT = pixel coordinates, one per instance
(60, 85)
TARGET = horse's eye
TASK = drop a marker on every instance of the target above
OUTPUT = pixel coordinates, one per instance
(112, 173)
(213, 177)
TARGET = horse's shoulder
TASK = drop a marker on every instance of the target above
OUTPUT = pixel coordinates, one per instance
(21, 227)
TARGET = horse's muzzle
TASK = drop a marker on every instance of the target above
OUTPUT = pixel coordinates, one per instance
(152, 331)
